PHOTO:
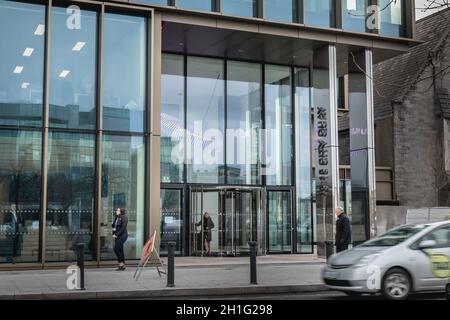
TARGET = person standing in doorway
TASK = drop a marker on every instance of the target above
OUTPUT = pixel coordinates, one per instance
(120, 235)
(208, 224)
(343, 230)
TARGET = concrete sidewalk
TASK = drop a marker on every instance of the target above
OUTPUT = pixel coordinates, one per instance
(193, 277)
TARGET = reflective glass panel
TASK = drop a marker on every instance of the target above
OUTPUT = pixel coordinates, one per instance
(303, 159)
(392, 18)
(280, 224)
(205, 120)
(124, 73)
(205, 5)
(280, 10)
(246, 8)
(354, 15)
(20, 185)
(243, 122)
(158, 2)
(123, 186)
(70, 199)
(73, 70)
(278, 113)
(22, 34)
(319, 13)
(172, 118)
(171, 220)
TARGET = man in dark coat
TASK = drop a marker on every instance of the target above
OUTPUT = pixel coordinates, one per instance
(343, 230)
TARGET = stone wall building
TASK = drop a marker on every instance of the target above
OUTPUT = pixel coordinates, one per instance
(412, 112)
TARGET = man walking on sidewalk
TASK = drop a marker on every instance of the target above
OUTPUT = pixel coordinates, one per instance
(343, 230)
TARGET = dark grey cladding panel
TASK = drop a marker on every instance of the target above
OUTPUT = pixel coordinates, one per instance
(232, 44)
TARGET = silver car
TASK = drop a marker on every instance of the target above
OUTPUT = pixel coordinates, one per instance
(410, 258)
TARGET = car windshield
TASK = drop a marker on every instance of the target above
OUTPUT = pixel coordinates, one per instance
(394, 237)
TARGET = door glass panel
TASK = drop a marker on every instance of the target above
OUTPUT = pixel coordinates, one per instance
(279, 222)
(171, 220)
(244, 212)
(234, 226)
(203, 202)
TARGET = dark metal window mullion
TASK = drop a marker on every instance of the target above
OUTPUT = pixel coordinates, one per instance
(294, 234)
(225, 76)
(99, 147)
(299, 16)
(185, 168)
(44, 150)
(311, 152)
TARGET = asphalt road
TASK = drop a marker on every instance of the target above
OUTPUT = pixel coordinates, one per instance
(323, 295)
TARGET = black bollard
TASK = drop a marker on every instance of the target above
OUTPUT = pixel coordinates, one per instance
(171, 265)
(328, 249)
(80, 263)
(253, 252)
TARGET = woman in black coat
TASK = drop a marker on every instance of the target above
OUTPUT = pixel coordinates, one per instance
(120, 234)
(208, 224)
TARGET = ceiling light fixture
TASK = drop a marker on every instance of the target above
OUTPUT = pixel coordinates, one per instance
(28, 52)
(18, 69)
(64, 73)
(40, 30)
(78, 46)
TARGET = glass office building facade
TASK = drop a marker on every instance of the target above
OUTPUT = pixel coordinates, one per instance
(73, 150)
(106, 106)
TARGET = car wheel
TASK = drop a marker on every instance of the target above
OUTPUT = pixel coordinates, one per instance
(396, 284)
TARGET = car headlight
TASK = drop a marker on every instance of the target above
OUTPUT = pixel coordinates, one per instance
(364, 261)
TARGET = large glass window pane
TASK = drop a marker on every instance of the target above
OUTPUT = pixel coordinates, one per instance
(392, 18)
(280, 224)
(278, 111)
(246, 8)
(205, 120)
(124, 74)
(172, 118)
(70, 200)
(354, 15)
(319, 13)
(20, 185)
(206, 5)
(73, 71)
(303, 159)
(158, 2)
(22, 34)
(280, 10)
(123, 186)
(171, 220)
(243, 122)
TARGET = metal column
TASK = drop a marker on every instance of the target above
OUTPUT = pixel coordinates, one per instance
(325, 143)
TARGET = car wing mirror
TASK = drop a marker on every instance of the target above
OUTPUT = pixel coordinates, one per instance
(427, 244)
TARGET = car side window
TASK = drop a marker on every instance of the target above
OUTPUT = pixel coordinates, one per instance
(441, 236)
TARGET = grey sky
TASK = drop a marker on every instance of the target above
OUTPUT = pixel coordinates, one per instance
(421, 13)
